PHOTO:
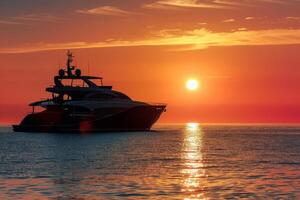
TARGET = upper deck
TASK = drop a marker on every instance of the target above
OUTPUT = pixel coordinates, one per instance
(74, 75)
(70, 84)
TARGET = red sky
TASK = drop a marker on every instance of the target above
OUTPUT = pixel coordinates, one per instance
(244, 53)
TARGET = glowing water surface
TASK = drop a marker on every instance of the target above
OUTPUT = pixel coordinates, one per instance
(183, 161)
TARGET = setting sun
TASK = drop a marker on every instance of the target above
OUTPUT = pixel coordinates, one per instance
(192, 84)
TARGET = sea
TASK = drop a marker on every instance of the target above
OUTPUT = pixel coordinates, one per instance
(174, 161)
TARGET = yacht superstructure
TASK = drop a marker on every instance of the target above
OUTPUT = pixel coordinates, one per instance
(88, 107)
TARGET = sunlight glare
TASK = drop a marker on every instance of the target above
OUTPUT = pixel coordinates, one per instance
(192, 84)
(192, 126)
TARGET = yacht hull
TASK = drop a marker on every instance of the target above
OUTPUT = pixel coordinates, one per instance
(140, 118)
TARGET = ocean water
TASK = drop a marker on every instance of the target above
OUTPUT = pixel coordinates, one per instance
(182, 161)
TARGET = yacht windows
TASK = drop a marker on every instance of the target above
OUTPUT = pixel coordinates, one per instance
(98, 82)
(74, 82)
(120, 95)
(105, 96)
(66, 97)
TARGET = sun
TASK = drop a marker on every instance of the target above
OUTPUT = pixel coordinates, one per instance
(192, 84)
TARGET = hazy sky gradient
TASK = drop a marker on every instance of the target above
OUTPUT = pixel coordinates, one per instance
(244, 53)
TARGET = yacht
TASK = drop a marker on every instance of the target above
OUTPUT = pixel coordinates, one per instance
(86, 106)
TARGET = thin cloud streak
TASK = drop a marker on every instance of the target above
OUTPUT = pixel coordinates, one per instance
(275, 1)
(293, 18)
(31, 18)
(105, 10)
(188, 40)
(225, 4)
(229, 20)
(37, 17)
(8, 22)
(171, 4)
(249, 18)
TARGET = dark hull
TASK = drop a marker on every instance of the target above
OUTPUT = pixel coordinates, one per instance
(139, 118)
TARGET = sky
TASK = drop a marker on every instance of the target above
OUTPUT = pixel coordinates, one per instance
(244, 53)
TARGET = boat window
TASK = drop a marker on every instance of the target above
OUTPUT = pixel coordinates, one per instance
(98, 82)
(74, 83)
(66, 97)
(121, 95)
(36, 109)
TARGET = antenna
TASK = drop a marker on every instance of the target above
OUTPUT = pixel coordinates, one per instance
(69, 63)
(88, 66)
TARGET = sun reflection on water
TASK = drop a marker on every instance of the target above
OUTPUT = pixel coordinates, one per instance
(193, 170)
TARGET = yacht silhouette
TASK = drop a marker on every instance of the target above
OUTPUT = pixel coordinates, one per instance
(88, 107)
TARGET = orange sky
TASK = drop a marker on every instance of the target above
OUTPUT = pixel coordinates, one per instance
(244, 53)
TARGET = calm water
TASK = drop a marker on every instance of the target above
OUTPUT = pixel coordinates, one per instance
(174, 162)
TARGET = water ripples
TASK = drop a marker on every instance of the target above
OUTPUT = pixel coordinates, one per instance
(175, 162)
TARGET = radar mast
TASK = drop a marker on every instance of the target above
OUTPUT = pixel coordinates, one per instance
(70, 68)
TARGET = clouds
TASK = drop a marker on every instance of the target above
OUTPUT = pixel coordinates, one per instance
(178, 4)
(9, 22)
(292, 18)
(34, 18)
(249, 18)
(167, 4)
(181, 40)
(31, 18)
(146, 6)
(225, 4)
(229, 20)
(105, 10)
(220, 17)
(37, 17)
